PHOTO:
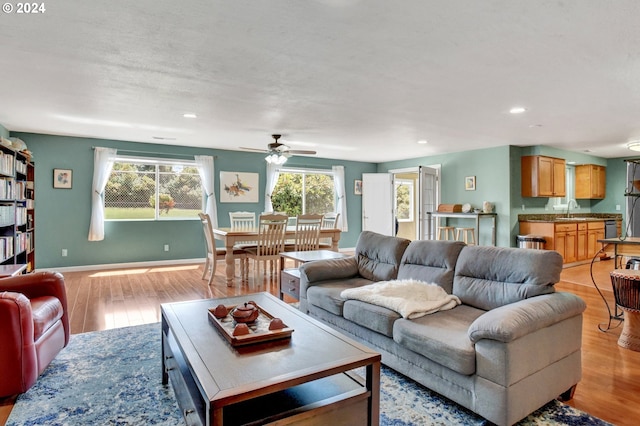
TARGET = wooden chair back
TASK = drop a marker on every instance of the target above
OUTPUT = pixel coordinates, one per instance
(242, 221)
(271, 232)
(330, 220)
(208, 235)
(308, 232)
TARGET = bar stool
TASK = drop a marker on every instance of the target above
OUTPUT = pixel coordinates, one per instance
(444, 232)
(468, 235)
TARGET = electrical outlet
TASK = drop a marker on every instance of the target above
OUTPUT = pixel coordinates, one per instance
(64, 252)
(166, 247)
(618, 207)
(523, 207)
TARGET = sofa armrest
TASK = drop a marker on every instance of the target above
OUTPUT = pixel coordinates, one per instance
(18, 360)
(330, 269)
(40, 284)
(510, 322)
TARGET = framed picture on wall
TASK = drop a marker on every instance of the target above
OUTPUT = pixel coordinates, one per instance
(239, 187)
(357, 187)
(470, 183)
(62, 178)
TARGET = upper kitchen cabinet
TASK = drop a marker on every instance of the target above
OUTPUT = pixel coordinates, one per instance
(543, 176)
(591, 181)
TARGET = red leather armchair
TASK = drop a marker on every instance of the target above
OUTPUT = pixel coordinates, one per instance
(34, 327)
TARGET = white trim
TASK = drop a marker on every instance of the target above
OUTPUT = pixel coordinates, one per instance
(140, 264)
(123, 265)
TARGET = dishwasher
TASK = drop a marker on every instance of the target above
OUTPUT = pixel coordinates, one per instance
(610, 229)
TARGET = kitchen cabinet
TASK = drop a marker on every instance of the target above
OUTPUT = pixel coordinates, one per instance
(591, 181)
(543, 176)
(595, 232)
(582, 246)
(566, 241)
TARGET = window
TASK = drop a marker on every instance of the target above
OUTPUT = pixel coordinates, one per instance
(153, 189)
(404, 196)
(304, 192)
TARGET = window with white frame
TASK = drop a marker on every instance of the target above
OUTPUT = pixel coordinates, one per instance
(142, 188)
(404, 196)
(304, 191)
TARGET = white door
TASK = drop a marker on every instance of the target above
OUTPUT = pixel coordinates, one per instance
(377, 203)
(429, 198)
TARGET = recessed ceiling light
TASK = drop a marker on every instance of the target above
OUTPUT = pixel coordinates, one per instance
(533, 126)
(517, 110)
(422, 141)
(189, 115)
(634, 145)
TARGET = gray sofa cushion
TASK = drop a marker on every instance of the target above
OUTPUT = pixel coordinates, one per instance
(490, 277)
(431, 261)
(441, 337)
(327, 294)
(372, 317)
(379, 256)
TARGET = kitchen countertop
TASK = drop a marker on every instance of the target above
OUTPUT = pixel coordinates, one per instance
(562, 218)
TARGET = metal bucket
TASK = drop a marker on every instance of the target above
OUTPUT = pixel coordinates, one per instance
(633, 263)
(530, 241)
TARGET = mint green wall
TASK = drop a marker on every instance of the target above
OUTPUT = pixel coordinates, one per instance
(4, 132)
(63, 215)
(491, 169)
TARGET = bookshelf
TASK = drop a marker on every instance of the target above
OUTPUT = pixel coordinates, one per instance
(17, 213)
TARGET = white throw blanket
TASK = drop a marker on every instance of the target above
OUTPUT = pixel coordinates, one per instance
(410, 298)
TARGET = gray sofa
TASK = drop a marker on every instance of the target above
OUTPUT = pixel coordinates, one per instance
(513, 345)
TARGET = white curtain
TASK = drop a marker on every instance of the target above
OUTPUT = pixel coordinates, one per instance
(273, 172)
(338, 182)
(103, 159)
(207, 175)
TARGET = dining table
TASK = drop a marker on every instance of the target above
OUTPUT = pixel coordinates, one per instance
(231, 237)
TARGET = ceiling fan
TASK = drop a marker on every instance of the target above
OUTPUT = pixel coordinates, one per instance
(278, 152)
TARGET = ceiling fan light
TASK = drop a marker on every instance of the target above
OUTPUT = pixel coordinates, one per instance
(634, 145)
(276, 159)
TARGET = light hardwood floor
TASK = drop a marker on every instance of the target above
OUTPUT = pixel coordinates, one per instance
(99, 300)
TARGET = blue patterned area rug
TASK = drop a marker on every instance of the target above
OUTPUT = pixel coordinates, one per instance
(113, 378)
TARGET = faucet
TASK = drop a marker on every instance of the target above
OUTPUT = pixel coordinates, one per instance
(575, 205)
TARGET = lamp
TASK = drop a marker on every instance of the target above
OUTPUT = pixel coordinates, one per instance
(634, 145)
(274, 158)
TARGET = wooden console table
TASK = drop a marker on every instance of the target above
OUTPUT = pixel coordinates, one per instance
(629, 246)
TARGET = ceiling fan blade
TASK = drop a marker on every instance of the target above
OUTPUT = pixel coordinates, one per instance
(301, 151)
(253, 149)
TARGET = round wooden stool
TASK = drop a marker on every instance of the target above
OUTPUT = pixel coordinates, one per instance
(468, 235)
(626, 289)
(444, 232)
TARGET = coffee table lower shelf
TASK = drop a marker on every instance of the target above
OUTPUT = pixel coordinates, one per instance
(339, 400)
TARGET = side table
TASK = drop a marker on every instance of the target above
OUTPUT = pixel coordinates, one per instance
(290, 277)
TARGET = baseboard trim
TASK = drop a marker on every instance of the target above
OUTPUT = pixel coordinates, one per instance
(138, 264)
(123, 265)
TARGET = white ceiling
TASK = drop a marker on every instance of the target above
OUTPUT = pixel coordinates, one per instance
(357, 79)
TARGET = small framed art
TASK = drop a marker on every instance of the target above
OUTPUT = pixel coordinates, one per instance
(62, 178)
(357, 187)
(470, 183)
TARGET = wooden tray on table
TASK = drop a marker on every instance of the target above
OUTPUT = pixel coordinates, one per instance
(258, 330)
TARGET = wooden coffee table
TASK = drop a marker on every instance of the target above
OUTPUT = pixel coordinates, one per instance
(306, 379)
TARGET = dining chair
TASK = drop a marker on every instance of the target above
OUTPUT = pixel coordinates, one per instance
(242, 221)
(307, 236)
(213, 252)
(329, 221)
(271, 233)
